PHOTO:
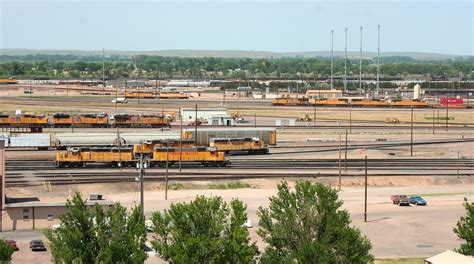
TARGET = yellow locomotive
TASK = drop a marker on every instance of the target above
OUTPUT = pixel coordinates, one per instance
(148, 146)
(145, 95)
(290, 101)
(409, 103)
(231, 145)
(31, 120)
(86, 120)
(125, 120)
(205, 156)
(173, 95)
(79, 157)
(328, 102)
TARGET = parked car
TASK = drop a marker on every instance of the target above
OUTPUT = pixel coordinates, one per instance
(418, 200)
(12, 244)
(37, 245)
(400, 199)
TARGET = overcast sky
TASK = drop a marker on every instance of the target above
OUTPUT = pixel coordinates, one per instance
(284, 26)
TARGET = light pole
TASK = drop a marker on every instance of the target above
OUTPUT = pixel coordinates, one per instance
(332, 57)
(360, 61)
(378, 59)
(345, 61)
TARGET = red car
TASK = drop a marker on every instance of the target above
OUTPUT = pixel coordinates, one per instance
(12, 244)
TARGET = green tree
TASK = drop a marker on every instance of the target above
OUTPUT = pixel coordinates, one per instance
(6, 251)
(308, 226)
(95, 235)
(205, 230)
(465, 230)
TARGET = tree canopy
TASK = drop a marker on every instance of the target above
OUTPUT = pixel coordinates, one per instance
(98, 235)
(6, 251)
(205, 230)
(307, 226)
(465, 230)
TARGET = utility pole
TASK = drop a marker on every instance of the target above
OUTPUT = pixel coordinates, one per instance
(345, 154)
(314, 116)
(332, 57)
(350, 120)
(378, 59)
(457, 163)
(433, 120)
(447, 113)
(360, 61)
(141, 167)
(365, 200)
(411, 140)
(196, 126)
(339, 163)
(166, 175)
(180, 139)
(345, 61)
(162, 118)
(255, 119)
(103, 68)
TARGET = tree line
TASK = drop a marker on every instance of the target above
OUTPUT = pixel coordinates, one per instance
(71, 66)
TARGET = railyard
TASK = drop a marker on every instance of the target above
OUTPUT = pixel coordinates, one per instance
(423, 152)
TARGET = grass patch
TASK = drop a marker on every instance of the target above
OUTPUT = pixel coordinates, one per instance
(176, 186)
(229, 185)
(444, 194)
(400, 261)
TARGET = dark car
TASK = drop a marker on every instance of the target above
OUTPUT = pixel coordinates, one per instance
(404, 200)
(12, 243)
(37, 245)
(418, 200)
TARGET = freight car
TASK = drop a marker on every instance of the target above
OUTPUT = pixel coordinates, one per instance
(176, 95)
(368, 103)
(80, 120)
(290, 101)
(235, 145)
(145, 95)
(409, 103)
(328, 102)
(25, 120)
(205, 156)
(79, 157)
(126, 120)
(266, 135)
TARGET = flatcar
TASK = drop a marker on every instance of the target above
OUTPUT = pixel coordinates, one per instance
(409, 103)
(205, 156)
(328, 102)
(368, 103)
(176, 95)
(126, 120)
(251, 145)
(30, 120)
(290, 101)
(79, 157)
(148, 146)
(145, 95)
(80, 120)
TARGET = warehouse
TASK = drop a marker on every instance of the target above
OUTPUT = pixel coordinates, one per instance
(324, 94)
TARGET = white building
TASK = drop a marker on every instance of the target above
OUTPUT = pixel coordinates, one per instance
(189, 114)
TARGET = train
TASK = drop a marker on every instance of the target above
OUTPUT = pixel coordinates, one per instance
(126, 157)
(8, 81)
(204, 134)
(287, 101)
(237, 145)
(85, 120)
(153, 95)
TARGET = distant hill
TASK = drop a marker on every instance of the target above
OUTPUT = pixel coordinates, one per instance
(229, 53)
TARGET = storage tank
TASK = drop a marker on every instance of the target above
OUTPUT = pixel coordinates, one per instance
(417, 92)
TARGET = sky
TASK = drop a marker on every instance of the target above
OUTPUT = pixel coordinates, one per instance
(279, 26)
